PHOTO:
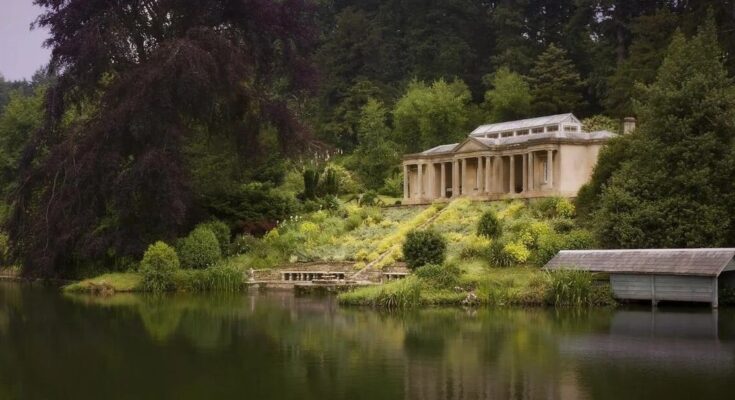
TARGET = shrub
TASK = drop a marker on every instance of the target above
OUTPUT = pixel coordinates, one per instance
(518, 252)
(200, 249)
(497, 255)
(242, 244)
(550, 245)
(369, 199)
(473, 246)
(311, 183)
(439, 276)
(570, 288)
(403, 293)
(221, 231)
(489, 225)
(424, 247)
(218, 278)
(158, 267)
(564, 208)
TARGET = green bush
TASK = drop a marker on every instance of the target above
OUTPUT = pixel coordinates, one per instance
(439, 276)
(497, 255)
(403, 293)
(575, 288)
(221, 231)
(242, 244)
(489, 225)
(550, 245)
(213, 279)
(200, 249)
(158, 267)
(369, 199)
(424, 247)
(311, 183)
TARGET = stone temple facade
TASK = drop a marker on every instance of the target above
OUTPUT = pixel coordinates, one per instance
(535, 157)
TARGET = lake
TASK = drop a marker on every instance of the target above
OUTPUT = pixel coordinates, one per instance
(278, 346)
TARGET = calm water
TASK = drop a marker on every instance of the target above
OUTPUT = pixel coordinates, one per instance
(276, 346)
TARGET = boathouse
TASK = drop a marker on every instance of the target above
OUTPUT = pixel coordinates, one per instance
(692, 275)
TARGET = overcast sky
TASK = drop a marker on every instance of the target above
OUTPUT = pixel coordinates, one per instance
(21, 51)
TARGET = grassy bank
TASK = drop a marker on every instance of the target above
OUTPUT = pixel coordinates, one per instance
(477, 284)
(219, 279)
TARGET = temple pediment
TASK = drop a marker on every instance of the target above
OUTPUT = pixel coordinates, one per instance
(470, 145)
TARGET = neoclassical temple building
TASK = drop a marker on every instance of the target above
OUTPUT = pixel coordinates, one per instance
(535, 157)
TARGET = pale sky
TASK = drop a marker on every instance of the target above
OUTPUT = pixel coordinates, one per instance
(21, 51)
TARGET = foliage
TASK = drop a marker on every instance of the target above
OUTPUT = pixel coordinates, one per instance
(424, 247)
(114, 181)
(555, 83)
(498, 256)
(200, 249)
(403, 293)
(427, 116)
(569, 287)
(489, 225)
(550, 245)
(601, 122)
(509, 97)
(311, 183)
(158, 267)
(376, 157)
(675, 186)
(221, 232)
(214, 279)
(21, 117)
(444, 276)
(117, 282)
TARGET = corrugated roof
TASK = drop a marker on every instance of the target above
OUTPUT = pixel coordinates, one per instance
(524, 124)
(702, 262)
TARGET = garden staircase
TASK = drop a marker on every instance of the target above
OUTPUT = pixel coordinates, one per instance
(372, 274)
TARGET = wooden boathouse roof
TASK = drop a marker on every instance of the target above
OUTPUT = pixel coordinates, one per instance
(697, 262)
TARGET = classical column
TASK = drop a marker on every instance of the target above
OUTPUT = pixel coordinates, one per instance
(420, 184)
(550, 166)
(430, 184)
(512, 176)
(443, 187)
(488, 164)
(498, 171)
(455, 178)
(464, 176)
(405, 181)
(530, 171)
(478, 176)
(524, 160)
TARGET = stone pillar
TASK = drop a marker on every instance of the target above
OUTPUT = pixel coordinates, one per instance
(430, 181)
(455, 178)
(478, 175)
(550, 166)
(488, 171)
(524, 160)
(420, 184)
(498, 171)
(512, 175)
(464, 176)
(443, 187)
(530, 171)
(405, 181)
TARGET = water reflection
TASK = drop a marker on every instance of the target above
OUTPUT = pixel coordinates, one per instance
(278, 346)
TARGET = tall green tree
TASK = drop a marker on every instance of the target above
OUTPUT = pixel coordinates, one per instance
(651, 37)
(430, 115)
(376, 157)
(509, 97)
(555, 83)
(675, 186)
(155, 72)
(22, 116)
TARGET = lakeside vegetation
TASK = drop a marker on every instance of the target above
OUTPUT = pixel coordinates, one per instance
(189, 186)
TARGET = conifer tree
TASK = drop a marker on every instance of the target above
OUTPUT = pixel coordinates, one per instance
(376, 157)
(555, 83)
(675, 187)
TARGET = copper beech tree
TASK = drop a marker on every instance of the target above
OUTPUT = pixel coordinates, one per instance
(104, 176)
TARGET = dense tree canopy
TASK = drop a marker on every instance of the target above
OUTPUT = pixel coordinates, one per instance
(672, 184)
(154, 72)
